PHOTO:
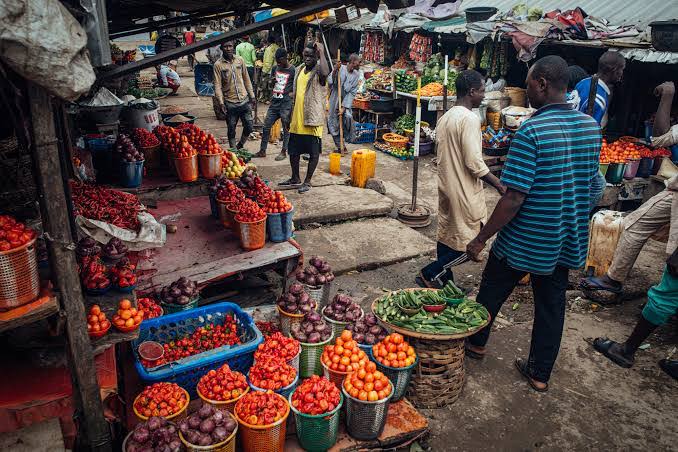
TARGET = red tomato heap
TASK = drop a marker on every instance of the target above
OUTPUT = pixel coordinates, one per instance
(316, 395)
(277, 204)
(344, 355)
(149, 308)
(161, 399)
(93, 273)
(367, 383)
(175, 144)
(13, 234)
(267, 328)
(277, 345)
(143, 138)
(127, 315)
(229, 193)
(260, 408)
(203, 142)
(249, 212)
(620, 152)
(394, 351)
(661, 152)
(123, 274)
(271, 372)
(260, 191)
(96, 320)
(222, 384)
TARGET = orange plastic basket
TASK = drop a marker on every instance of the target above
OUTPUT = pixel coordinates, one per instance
(187, 168)
(264, 438)
(228, 405)
(252, 234)
(395, 140)
(210, 165)
(19, 281)
(225, 216)
(179, 415)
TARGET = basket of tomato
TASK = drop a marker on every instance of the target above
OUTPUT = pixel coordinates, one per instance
(163, 399)
(19, 281)
(149, 308)
(367, 393)
(251, 220)
(279, 213)
(277, 345)
(342, 358)
(272, 373)
(222, 387)
(396, 359)
(186, 161)
(316, 404)
(261, 420)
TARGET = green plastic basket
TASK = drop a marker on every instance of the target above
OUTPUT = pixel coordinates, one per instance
(173, 308)
(309, 360)
(317, 432)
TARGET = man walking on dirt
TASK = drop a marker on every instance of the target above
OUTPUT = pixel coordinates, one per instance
(543, 219)
(234, 93)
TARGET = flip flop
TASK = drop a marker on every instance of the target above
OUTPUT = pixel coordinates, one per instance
(594, 283)
(473, 354)
(280, 157)
(670, 366)
(522, 368)
(289, 183)
(613, 351)
(304, 188)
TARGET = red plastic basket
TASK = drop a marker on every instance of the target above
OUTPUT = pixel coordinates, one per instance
(252, 234)
(19, 281)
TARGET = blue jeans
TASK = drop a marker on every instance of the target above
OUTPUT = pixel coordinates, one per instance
(440, 271)
(598, 184)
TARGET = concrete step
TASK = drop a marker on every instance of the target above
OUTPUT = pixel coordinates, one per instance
(365, 244)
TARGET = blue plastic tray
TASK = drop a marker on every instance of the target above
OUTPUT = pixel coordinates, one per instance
(187, 371)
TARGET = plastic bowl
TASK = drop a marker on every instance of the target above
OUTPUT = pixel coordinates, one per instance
(434, 307)
(128, 329)
(148, 347)
(100, 333)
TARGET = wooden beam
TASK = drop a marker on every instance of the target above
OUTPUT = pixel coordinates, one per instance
(94, 432)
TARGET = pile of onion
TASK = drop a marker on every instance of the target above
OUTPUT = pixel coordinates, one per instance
(367, 330)
(154, 434)
(343, 309)
(312, 330)
(316, 274)
(296, 300)
(181, 292)
(207, 426)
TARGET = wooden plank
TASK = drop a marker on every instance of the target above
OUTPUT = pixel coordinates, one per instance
(29, 313)
(108, 303)
(93, 429)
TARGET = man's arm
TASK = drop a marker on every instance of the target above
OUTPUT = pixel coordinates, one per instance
(323, 68)
(218, 93)
(507, 208)
(662, 119)
(246, 79)
(494, 181)
(672, 263)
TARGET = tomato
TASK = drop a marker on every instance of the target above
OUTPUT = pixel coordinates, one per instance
(394, 351)
(275, 202)
(213, 382)
(345, 355)
(249, 211)
(261, 408)
(278, 345)
(271, 372)
(316, 395)
(161, 399)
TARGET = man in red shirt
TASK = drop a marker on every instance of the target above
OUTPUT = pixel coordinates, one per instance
(189, 38)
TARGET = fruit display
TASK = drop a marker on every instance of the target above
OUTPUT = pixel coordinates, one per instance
(126, 150)
(114, 249)
(13, 234)
(207, 426)
(123, 274)
(312, 330)
(277, 345)
(367, 331)
(271, 372)
(401, 153)
(157, 433)
(620, 151)
(381, 79)
(222, 384)
(87, 246)
(343, 309)
(201, 340)
(231, 165)
(394, 351)
(316, 395)
(277, 204)
(93, 273)
(261, 408)
(203, 142)
(344, 355)
(143, 138)
(180, 292)
(434, 71)
(296, 300)
(249, 212)
(161, 399)
(149, 308)
(660, 152)
(175, 144)
(97, 321)
(103, 204)
(128, 317)
(368, 384)
(229, 193)
(430, 90)
(317, 273)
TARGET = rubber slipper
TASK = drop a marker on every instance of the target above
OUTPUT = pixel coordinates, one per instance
(259, 155)
(522, 368)
(289, 183)
(613, 351)
(280, 157)
(594, 283)
(670, 366)
(473, 354)
(304, 188)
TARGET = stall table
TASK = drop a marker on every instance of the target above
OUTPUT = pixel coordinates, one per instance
(435, 102)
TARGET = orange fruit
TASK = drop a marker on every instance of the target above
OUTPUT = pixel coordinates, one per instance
(129, 323)
(346, 335)
(95, 309)
(125, 304)
(372, 396)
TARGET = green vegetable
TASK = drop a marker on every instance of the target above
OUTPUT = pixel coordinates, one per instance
(405, 122)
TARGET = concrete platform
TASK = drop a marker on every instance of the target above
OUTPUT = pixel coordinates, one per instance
(366, 244)
(334, 203)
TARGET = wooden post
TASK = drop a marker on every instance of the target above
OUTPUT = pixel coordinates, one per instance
(94, 432)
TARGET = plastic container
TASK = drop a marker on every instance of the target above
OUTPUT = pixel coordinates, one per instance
(656, 164)
(131, 174)
(210, 165)
(153, 157)
(309, 360)
(252, 234)
(19, 280)
(264, 438)
(179, 415)
(398, 376)
(287, 320)
(631, 169)
(294, 361)
(228, 445)
(334, 376)
(285, 392)
(204, 79)
(102, 158)
(365, 132)
(337, 326)
(365, 420)
(188, 371)
(645, 167)
(335, 163)
(142, 117)
(603, 168)
(280, 226)
(228, 405)
(173, 308)
(187, 168)
(674, 153)
(615, 173)
(231, 212)
(363, 164)
(425, 147)
(214, 208)
(317, 432)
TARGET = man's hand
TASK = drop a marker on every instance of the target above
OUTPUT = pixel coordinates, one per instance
(501, 189)
(223, 109)
(665, 89)
(319, 47)
(474, 248)
(672, 264)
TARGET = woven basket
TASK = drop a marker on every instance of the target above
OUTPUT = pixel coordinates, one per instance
(438, 378)
(518, 96)
(309, 360)
(395, 140)
(19, 281)
(263, 438)
(321, 294)
(287, 320)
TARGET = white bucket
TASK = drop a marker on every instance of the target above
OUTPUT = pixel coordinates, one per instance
(145, 119)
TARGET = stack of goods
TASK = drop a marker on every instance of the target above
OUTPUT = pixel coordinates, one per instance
(344, 356)
(368, 384)
(312, 330)
(144, 139)
(259, 408)
(279, 346)
(172, 110)
(127, 318)
(498, 139)
(232, 166)
(249, 212)
(381, 79)
(97, 323)
(394, 351)
(316, 403)
(157, 433)
(374, 47)
(401, 63)
(111, 206)
(316, 396)
(253, 186)
(203, 142)
(181, 294)
(208, 426)
(316, 274)
(228, 193)
(174, 143)
(405, 81)
(421, 48)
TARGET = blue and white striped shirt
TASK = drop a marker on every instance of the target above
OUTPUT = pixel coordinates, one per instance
(552, 159)
(602, 100)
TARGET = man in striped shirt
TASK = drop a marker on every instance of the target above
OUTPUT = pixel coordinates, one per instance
(542, 220)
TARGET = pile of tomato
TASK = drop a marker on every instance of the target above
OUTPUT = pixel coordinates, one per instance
(394, 351)
(261, 192)
(93, 273)
(175, 144)
(127, 316)
(229, 193)
(260, 408)
(96, 320)
(277, 345)
(149, 308)
(203, 142)
(267, 328)
(653, 153)
(620, 152)
(272, 373)
(161, 399)
(277, 203)
(13, 234)
(367, 383)
(316, 395)
(123, 274)
(344, 355)
(222, 384)
(249, 212)
(143, 138)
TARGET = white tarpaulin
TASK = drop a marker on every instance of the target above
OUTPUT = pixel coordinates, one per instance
(40, 40)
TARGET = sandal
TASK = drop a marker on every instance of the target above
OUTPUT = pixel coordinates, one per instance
(280, 157)
(304, 188)
(522, 368)
(670, 366)
(614, 351)
(594, 283)
(472, 353)
(259, 155)
(289, 183)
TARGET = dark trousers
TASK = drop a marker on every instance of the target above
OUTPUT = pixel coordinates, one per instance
(498, 281)
(440, 271)
(235, 112)
(275, 112)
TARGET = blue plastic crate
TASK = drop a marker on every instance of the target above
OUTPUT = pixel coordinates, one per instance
(365, 132)
(187, 372)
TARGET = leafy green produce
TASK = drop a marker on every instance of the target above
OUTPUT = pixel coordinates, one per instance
(405, 122)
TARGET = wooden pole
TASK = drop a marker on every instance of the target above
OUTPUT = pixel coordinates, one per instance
(341, 116)
(94, 433)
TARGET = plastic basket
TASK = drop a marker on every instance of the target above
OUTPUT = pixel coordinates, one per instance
(645, 167)
(173, 308)
(294, 361)
(210, 165)
(19, 281)
(187, 372)
(338, 327)
(317, 432)
(287, 320)
(186, 168)
(153, 156)
(365, 132)
(223, 213)
(321, 294)
(399, 377)
(179, 415)
(365, 420)
(228, 445)
(615, 172)
(264, 438)
(228, 405)
(252, 234)
(309, 359)
(285, 392)
(102, 158)
(334, 376)
(631, 169)
(279, 226)
(131, 174)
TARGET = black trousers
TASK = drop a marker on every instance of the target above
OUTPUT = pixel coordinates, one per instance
(498, 282)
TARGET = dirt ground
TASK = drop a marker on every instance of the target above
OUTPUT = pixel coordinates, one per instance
(592, 404)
